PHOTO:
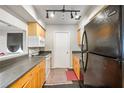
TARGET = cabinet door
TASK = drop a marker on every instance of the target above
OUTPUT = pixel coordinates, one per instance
(39, 76)
(42, 33)
(28, 84)
(78, 69)
(76, 66)
(32, 79)
(20, 82)
(79, 37)
(43, 74)
(36, 77)
(32, 29)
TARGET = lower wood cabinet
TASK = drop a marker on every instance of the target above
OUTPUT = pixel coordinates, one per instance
(28, 84)
(76, 66)
(35, 78)
(79, 37)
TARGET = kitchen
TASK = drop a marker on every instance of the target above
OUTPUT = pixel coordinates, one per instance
(41, 46)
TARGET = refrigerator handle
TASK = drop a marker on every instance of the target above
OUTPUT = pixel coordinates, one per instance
(84, 36)
(82, 43)
(85, 67)
(84, 51)
(86, 39)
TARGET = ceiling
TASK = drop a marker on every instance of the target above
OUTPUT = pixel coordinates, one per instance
(61, 18)
(7, 27)
(19, 12)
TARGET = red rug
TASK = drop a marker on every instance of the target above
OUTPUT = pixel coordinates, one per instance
(71, 76)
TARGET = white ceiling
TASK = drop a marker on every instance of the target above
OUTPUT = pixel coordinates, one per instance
(58, 19)
(7, 27)
(19, 12)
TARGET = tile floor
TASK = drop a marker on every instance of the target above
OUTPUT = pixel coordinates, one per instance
(57, 78)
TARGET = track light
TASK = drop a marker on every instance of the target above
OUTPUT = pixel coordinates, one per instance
(51, 13)
(47, 15)
(76, 15)
(72, 15)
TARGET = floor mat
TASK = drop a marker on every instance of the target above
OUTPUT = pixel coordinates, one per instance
(71, 75)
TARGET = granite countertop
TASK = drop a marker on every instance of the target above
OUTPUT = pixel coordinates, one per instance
(77, 53)
(13, 69)
(11, 55)
(43, 54)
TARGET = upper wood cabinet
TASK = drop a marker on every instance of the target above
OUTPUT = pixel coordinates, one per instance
(79, 37)
(34, 29)
(36, 35)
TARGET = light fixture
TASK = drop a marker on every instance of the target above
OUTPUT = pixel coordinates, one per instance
(76, 15)
(47, 15)
(63, 10)
(72, 15)
(52, 14)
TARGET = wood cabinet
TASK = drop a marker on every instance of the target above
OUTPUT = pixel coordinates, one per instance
(36, 35)
(34, 29)
(34, 78)
(28, 84)
(76, 66)
(43, 74)
(79, 37)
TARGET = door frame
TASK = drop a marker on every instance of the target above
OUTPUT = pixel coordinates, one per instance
(53, 51)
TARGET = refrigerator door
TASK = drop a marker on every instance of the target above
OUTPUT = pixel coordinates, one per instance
(103, 38)
(103, 33)
(102, 72)
(122, 45)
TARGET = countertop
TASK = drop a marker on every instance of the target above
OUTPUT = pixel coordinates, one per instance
(13, 69)
(77, 53)
(11, 55)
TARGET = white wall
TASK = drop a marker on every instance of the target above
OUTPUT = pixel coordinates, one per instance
(86, 19)
(8, 18)
(51, 29)
(30, 9)
(3, 40)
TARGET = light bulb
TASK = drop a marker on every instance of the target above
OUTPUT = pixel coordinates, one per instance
(52, 14)
(77, 16)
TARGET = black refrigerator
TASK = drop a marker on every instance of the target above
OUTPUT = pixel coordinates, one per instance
(102, 49)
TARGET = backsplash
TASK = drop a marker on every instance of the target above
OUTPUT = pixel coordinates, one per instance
(34, 51)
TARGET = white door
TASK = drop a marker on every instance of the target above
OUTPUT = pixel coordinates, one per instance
(61, 50)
